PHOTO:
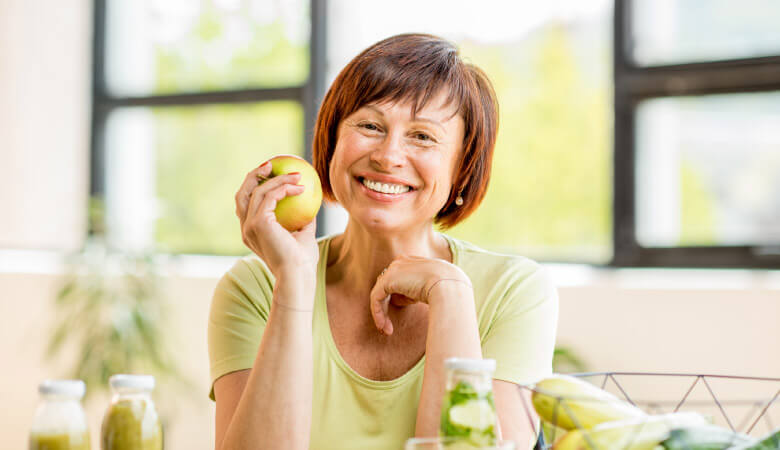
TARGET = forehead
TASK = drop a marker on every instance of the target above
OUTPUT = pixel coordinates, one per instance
(439, 107)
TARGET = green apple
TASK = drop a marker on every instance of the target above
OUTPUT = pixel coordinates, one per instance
(294, 212)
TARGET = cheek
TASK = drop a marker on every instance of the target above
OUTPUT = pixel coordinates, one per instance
(344, 156)
(440, 172)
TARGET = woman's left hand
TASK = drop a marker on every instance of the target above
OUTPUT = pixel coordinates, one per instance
(408, 280)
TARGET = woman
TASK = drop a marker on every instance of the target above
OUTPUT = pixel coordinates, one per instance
(340, 342)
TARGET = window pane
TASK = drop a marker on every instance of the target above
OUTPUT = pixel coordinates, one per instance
(708, 170)
(163, 46)
(682, 31)
(173, 172)
(549, 195)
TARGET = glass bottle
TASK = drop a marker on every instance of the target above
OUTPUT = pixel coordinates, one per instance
(131, 421)
(468, 410)
(60, 422)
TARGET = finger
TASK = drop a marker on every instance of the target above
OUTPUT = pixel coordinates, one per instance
(250, 182)
(259, 192)
(380, 302)
(267, 207)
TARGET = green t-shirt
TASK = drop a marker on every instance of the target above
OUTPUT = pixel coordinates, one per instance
(517, 311)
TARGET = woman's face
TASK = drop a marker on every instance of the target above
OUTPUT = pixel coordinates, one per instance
(393, 171)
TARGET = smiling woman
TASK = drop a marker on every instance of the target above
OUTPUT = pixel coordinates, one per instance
(340, 342)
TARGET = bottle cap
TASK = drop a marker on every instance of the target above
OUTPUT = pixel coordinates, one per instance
(471, 364)
(125, 381)
(68, 388)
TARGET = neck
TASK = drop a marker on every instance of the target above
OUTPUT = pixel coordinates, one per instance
(358, 256)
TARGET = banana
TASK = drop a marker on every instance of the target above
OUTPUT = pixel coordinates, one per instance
(569, 402)
(639, 433)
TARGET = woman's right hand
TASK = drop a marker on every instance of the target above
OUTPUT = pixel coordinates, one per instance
(288, 254)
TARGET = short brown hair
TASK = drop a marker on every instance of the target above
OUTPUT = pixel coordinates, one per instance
(415, 67)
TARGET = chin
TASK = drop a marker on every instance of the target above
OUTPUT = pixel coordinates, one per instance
(380, 221)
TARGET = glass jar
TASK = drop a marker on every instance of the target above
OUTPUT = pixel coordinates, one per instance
(468, 411)
(60, 422)
(131, 421)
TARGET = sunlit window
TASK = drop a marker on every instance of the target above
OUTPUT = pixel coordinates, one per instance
(193, 96)
(697, 141)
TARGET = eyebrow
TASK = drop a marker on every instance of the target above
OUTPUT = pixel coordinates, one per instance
(415, 118)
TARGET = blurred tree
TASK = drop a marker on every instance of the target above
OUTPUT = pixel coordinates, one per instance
(111, 310)
(231, 50)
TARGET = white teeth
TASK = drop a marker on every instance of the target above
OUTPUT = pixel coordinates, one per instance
(384, 187)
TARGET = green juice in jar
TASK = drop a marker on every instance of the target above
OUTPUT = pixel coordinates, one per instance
(60, 441)
(131, 421)
(60, 422)
(468, 414)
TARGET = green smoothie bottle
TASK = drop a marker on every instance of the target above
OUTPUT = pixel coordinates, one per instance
(468, 414)
(59, 422)
(131, 421)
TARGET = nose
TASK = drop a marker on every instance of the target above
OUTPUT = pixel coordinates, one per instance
(389, 153)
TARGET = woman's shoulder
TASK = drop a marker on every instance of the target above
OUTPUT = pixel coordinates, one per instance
(473, 258)
(504, 283)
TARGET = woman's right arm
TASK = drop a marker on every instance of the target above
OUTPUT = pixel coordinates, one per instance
(269, 406)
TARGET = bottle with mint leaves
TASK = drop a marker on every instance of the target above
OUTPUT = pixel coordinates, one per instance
(468, 413)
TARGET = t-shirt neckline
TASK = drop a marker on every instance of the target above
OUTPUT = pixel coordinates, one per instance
(321, 315)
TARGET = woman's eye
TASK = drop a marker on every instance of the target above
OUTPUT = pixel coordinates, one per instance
(422, 137)
(369, 126)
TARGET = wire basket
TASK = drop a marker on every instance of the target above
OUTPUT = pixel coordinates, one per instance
(747, 405)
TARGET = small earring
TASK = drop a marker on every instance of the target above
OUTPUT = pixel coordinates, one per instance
(459, 200)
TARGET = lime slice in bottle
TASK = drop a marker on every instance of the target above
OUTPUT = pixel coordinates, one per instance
(475, 414)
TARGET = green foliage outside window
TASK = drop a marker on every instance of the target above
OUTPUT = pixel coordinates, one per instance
(203, 155)
(549, 196)
(209, 58)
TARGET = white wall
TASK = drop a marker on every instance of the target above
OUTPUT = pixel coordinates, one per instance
(44, 122)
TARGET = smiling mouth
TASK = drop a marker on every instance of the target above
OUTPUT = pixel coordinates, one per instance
(384, 188)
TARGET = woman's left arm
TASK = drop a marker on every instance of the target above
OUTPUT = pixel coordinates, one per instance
(452, 332)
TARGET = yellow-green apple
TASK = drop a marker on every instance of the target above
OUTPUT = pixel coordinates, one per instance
(295, 211)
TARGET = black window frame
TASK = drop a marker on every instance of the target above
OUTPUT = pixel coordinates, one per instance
(633, 84)
(309, 95)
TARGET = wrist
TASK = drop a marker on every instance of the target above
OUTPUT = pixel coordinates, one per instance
(449, 287)
(300, 274)
(296, 283)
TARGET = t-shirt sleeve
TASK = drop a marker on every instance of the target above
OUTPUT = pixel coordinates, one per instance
(521, 337)
(239, 311)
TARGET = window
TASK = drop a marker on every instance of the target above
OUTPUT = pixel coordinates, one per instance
(188, 97)
(697, 133)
